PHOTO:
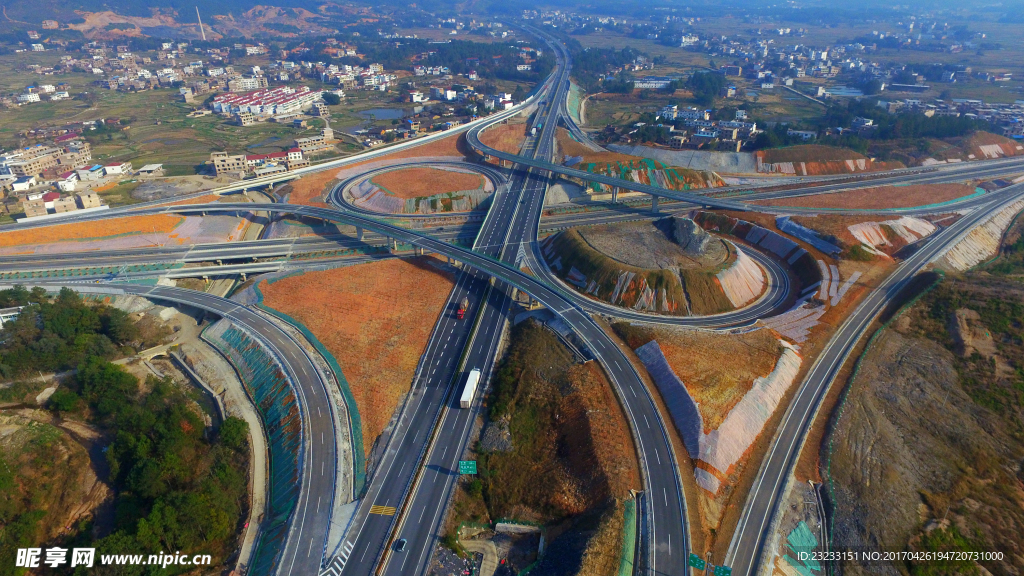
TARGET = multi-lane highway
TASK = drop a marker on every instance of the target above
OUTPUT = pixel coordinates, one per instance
(747, 550)
(1006, 166)
(303, 547)
(415, 474)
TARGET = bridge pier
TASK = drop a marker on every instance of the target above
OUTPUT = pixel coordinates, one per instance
(359, 233)
(615, 194)
(654, 204)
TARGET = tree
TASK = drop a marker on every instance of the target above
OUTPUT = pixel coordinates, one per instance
(234, 433)
(63, 400)
(331, 99)
(706, 86)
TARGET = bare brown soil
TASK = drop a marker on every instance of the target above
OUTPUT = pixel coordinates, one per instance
(375, 319)
(307, 189)
(700, 535)
(451, 146)
(834, 225)
(418, 182)
(768, 221)
(822, 160)
(570, 147)
(505, 137)
(205, 199)
(880, 197)
(155, 223)
(1008, 146)
(717, 368)
(809, 153)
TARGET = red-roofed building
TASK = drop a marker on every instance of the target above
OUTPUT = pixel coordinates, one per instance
(48, 199)
(67, 181)
(118, 168)
(268, 102)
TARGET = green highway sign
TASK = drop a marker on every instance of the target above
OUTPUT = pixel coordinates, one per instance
(697, 562)
(467, 466)
(722, 571)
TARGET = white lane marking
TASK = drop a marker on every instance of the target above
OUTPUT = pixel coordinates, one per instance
(310, 548)
(321, 468)
(318, 414)
(656, 453)
(664, 491)
(317, 504)
(422, 510)
(321, 438)
(633, 391)
(648, 422)
(617, 365)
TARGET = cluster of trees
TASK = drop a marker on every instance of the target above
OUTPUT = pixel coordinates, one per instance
(175, 488)
(903, 125)
(588, 65)
(706, 87)
(57, 335)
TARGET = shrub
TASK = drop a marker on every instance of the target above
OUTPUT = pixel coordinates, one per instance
(234, 433)
(64, 400)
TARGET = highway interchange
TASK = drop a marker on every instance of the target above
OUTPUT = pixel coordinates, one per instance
(417, 469)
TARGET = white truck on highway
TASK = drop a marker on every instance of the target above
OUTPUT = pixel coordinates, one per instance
(470, 390)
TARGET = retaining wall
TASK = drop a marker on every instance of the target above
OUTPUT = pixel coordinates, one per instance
(272, 394)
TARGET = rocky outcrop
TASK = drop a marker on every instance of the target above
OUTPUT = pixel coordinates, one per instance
(693, 239)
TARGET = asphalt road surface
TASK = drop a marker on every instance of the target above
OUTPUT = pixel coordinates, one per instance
(747, 551)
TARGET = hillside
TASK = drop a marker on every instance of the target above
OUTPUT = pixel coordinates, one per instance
(164, 18)
(817, 160)
(659, 267)
(929, 151)
(560, 422)
(930, 443)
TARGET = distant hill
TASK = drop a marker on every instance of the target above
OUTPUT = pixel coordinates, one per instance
(35, 11)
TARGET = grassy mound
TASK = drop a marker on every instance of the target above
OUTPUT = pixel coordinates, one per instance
(675, 290)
